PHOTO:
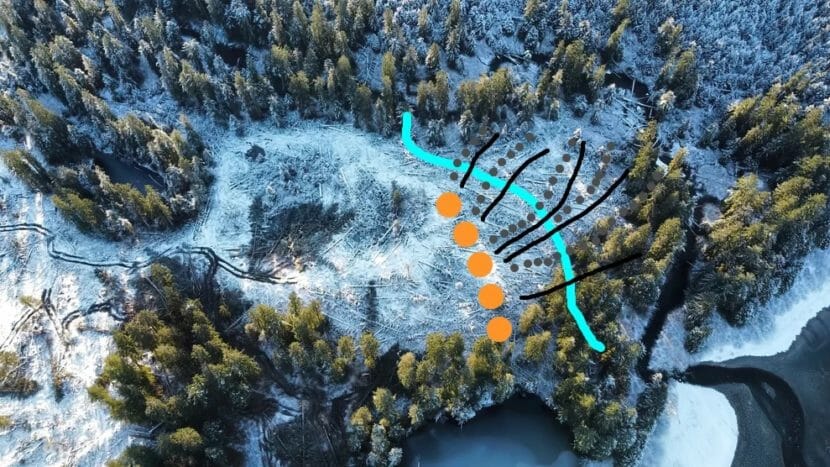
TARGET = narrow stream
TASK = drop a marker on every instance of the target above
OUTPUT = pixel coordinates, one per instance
(214, 260)
(673, 293)
(671, 297)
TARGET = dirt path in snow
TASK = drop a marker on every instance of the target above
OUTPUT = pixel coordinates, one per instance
(214, 260)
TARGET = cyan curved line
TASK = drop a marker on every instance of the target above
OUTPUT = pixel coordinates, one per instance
(530, 200)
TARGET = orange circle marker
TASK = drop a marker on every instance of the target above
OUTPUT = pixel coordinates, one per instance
(448, 204)
(480, 264)
(465, 234)
(490, 296)
(499, 329)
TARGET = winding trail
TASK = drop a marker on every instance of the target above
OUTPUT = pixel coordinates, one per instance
(213, 259)
(215, 262)
(530, 200)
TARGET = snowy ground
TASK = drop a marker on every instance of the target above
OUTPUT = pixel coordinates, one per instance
(698, 426)
(421, 282)
(781, 320)
(45, 432)
(419, 273)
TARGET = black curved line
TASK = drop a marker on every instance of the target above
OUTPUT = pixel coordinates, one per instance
(580, 277)
(555, 209)
(213, 259)
(510, 182)
(476, 156)
(573, 219)
(104, 307)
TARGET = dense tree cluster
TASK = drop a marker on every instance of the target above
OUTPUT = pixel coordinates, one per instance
(433, 97)
(172, 368)
(454, 39)
(485, 97)
(658, 217)
(758, 244)
(774, 130)
(375, 429)
(532, 29)
(769, 221)
(679, 76)
(650, 404)
(301, 342)
(313, 360)
(82, 189)
(613, 47)
(593, 397)
(78, 53)
(23, 164)
(668, 37)
(191, 385)
(573, 73)
(441, 381)
(678, 79)
(581, 71)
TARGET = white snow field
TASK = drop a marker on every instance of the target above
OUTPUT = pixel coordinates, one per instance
(781, 320)
(419, 273)
(73, 431)
(698, 427)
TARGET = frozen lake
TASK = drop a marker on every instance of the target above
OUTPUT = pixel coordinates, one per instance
(520, 432)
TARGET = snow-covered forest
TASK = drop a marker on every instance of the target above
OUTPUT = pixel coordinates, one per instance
(214, 249)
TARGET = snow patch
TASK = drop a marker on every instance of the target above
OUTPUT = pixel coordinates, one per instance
(698, 423)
